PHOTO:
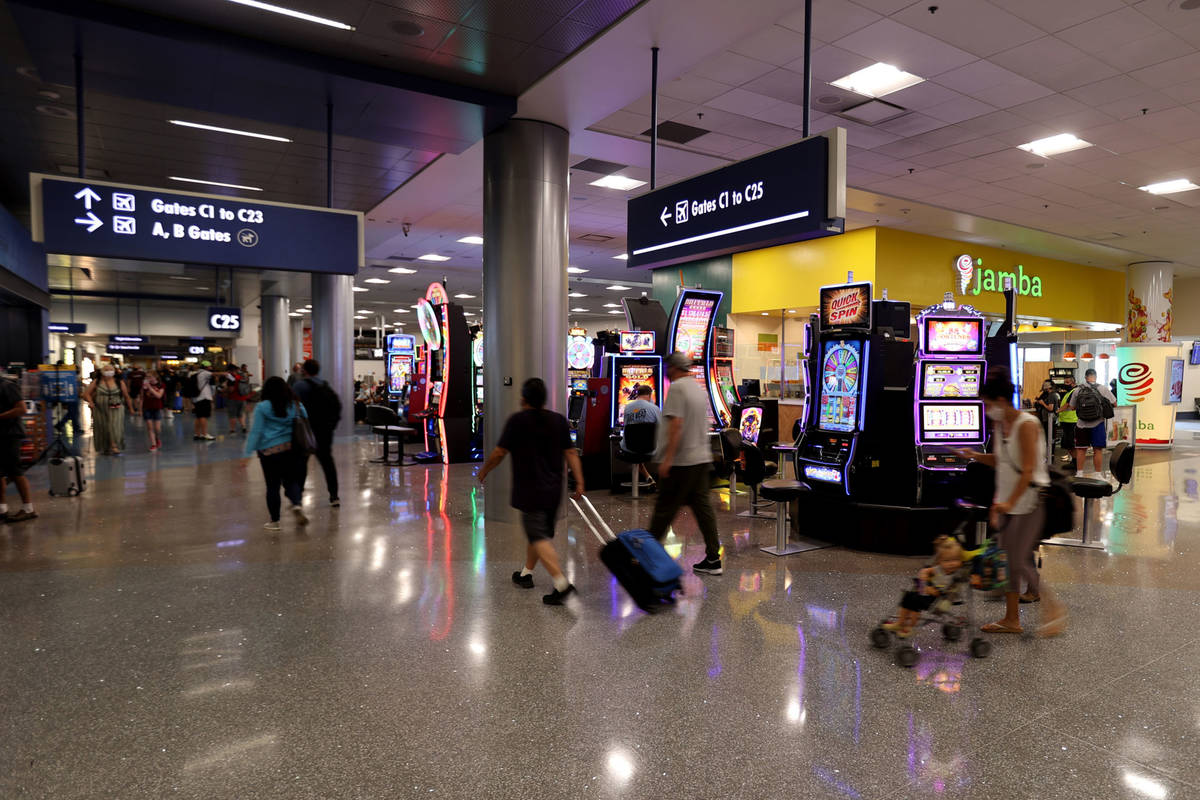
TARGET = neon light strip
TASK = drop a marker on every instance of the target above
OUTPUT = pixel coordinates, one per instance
(726, 231)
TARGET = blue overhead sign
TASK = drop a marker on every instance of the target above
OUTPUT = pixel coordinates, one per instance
(94, 218)
(66, 327)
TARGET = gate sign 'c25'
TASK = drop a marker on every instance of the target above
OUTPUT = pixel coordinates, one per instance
(95, 218)
(228, 320)
(786, 195)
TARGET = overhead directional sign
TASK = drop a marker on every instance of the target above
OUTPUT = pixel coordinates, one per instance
(95, 218)
(793, 193)
(67, 327)
(224, 319)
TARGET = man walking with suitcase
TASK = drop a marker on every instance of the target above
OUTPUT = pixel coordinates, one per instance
(685, 462)
(540, 441)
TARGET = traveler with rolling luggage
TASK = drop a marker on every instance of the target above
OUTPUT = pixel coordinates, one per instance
(540, 441)
(12, 431)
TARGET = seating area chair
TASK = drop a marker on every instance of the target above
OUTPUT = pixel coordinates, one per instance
(783, 492)
(749, 467)
(386, 423)
(637, 449)
(1120, 464)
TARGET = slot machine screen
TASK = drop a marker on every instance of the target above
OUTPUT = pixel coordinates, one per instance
(575, 406)
(632, 376)
(950, 380)
(399, 366)
(637, 341)
(692, 328)
(953, 336)
(724, 372)
(841, 377)
(958, 422)
(751, 424)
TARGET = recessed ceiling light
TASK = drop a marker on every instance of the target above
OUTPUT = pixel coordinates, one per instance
(295, 314)
(361, 289)
(1170, 187)
(576, 270)
(791, 311)
(306, 311)
(576, 294)
(465, 296)
(622, 257)
(377, 280)
(287, 12)
(616, 312)
(612, 305)
(616, 287)
(234, 131)
(215, 183)
(401, 311)
(579, 310)
(433, 257)
(201, 288)
(402, 271)
(468, 313)
(877, 80)
(1054, 145)
(618, 182)
(471, 240)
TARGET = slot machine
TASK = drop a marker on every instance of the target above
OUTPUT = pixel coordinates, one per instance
(477, 393)
(723, 388)
(691, 331)
(581, 360)
(950, 371)
(449, 396)
(636, 365)
(401, 354)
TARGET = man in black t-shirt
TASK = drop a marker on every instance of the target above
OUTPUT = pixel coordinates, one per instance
(539, 441)
(12, 408)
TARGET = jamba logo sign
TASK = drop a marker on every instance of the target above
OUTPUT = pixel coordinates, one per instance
(1135, 379)
(965, 269)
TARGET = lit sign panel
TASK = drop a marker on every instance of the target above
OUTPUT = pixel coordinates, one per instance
(228, 320)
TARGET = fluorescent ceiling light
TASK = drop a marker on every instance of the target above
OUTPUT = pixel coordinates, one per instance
(287, 12)
(877, 80)
(791, 311)
(579, 310)
(215, 183)
(433, 257)
(1054, 145)
(465, 296)
(616, 287)
(471, 240)
(616, 312)
(576, 294)
(361, 289)
(622, 257)
(401, 311)
(234, 131)
(295, 314)
(468, 313)
(765, 314)
(377, 280)
(612, 305)
(618, 182)
(415, 305)
(1170, 187)
(576, 270)
(402, 271)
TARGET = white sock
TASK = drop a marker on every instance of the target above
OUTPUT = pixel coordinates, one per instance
(1079, 473)
(526, 571)
(27, 508)
(561, 583)
(3, 508)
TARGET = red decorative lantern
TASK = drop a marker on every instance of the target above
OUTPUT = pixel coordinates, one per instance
(1105, 356)
(1087, 357)
(1069, 355)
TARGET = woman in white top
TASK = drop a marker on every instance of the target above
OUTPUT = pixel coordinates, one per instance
(1019, 458)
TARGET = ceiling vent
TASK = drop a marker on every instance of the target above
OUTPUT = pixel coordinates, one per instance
(677, 132)
(407, 259)
(830, 99)
(873, 112)
(595, 238)
(599, 166)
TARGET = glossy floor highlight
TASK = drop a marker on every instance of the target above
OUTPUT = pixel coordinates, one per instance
(156, 642)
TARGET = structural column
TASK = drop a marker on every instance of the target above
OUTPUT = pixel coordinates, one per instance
(333, 338)
(525, 186)
(275, 345)
(1148, 301)
(297, 340)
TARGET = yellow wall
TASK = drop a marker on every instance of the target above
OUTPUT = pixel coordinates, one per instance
(919, 269)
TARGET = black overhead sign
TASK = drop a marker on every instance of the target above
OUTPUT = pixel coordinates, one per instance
(67, 327)
(93, 218)
(778, 197)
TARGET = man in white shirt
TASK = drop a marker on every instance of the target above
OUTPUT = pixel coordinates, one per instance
(202, 406)
(685, 462)
(1090, 429)
(641, 411)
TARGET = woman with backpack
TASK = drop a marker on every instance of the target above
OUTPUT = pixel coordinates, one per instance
(270, 436)
(1018, 513)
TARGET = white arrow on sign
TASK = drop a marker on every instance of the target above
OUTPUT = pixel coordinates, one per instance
(87, 195)
(91, 220)
(666, 215)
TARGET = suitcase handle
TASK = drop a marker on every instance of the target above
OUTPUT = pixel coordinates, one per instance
(588, 521)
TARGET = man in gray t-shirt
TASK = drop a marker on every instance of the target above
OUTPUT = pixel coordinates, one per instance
(685, 462)
(1090, 432)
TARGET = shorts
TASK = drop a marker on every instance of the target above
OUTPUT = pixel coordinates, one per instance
(152, 414)
(235, 408)
(10, 457)
(202, 408)
(1091, 436)
(912, 601)
(539, 525)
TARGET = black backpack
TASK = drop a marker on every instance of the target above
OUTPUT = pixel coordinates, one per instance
(190, 388)
(1090, 405)
(323, 405)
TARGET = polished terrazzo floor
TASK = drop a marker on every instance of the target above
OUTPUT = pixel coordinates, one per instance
(155, 642)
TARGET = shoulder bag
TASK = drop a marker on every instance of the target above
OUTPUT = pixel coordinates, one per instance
(303, 441)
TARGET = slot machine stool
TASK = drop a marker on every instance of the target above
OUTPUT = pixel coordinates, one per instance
(638, 449)
(783, 492)
(1092, 489)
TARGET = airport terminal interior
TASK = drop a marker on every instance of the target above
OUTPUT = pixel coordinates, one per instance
(902, 298)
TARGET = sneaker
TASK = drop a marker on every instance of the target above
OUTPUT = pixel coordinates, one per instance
(557, 598)
(273, 525)
(21, 516)
(335, 503)
(1065, 459)
(1079, 473)
(197, 438)
(206, 437)
(298, 513)
(709, 566)
(524, 581)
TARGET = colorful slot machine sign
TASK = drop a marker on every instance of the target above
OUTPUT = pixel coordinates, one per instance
(847, 306)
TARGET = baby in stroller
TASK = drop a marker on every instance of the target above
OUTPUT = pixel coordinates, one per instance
(936, 587)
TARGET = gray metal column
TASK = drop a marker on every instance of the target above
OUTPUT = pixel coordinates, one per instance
(333, 338)
(525, 186)
(275, 345)
(297, 339)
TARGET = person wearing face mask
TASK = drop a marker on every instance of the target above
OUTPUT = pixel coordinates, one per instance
(108, 398)
(1019, 458)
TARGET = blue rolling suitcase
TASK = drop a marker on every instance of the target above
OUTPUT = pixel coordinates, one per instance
(638, 561)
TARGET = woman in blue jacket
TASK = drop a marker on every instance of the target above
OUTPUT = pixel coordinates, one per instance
(271, 437)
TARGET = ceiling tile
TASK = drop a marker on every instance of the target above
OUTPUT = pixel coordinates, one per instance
(732, 69)
(832, 19)
(694, 89)
(829, 63)
(717, 143)
(1054, 63)
(1109, 31)
(782, 84)
(937, 158)
(995, 122)
(1108, 90)
(976, 26)
(1169, 73)
(741, 101)
(903, 47)
(959, 110)
(776, 45)
(911, 124)
(865, 137)
(789, 115)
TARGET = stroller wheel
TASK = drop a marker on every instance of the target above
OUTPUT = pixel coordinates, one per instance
(906, 656)
(980, 648)
(951, 633)
(881, 638)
